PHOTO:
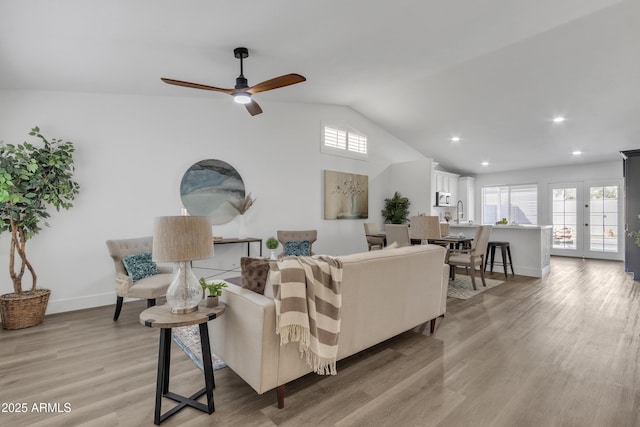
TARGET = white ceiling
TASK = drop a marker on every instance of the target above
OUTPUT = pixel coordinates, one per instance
(493, 72)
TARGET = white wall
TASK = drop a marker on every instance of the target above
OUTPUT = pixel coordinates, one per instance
(545, 176)
(131, 153)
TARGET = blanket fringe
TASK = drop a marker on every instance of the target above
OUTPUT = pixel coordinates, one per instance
(294, 333)
(320, 365)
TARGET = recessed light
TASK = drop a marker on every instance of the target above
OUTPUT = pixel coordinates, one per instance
(485, 163)
(576, 153)
(455, 139)
(558, 119)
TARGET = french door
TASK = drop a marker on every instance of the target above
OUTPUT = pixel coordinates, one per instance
(587, 219)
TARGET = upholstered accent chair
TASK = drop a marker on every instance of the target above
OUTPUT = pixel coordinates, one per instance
(472, 257)
(373, 241)
(398, 233)
(285, 236)
(425, 228)
(150, 287)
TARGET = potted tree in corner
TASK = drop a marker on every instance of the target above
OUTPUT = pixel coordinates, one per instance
(32, 178)
(396, 209)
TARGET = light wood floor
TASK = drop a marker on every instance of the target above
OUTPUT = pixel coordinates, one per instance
(557, 351)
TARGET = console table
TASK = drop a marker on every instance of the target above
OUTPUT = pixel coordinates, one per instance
(247, 240)
(160, 316)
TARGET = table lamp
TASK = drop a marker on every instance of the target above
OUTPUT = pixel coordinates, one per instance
(182, 239)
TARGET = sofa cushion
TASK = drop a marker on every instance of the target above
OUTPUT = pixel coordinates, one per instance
(139, 266)
(297, 248)
(254, 273)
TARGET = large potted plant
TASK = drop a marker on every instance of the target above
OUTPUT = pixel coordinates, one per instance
(32, 179)
(396, 209)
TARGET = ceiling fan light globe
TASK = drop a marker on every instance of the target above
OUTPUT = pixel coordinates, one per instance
(242, 97)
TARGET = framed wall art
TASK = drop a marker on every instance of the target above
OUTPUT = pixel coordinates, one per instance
(346, 195)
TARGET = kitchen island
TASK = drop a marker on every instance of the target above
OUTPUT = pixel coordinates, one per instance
(530, 246)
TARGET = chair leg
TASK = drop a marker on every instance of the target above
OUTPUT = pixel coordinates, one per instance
(151, 302)
(493, 256)
(503, 251)
(482, 273)
(473, 275)
(510, 261)
(119, 302)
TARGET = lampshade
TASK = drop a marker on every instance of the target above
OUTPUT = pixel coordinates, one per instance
(182, 238)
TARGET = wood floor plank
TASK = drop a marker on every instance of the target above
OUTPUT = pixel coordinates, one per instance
(561, 350)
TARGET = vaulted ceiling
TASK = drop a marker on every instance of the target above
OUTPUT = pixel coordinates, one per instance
(493, 72)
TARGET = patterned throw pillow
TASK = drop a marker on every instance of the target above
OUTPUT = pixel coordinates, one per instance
(254, 273)
(139, 266)
(297, 248)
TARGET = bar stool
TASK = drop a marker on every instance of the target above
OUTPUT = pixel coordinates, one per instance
(506, 256)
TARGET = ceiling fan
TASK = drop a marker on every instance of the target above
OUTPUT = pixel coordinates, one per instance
(242, 91)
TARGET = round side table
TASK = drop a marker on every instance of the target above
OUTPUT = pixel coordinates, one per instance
(161, 317)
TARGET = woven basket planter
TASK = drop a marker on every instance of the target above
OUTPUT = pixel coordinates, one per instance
(23, 310)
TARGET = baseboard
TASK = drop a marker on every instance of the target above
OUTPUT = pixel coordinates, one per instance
(71, 304)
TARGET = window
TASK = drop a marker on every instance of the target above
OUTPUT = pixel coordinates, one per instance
(343, 141)
(516, 203)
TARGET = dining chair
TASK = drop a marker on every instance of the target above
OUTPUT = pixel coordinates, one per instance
(398, 233)
(371, 228)
(424, 228)
(472, 257)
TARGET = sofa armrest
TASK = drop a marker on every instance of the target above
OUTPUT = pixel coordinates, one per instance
(244, 337)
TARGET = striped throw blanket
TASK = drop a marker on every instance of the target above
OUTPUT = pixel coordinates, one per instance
(308, 301)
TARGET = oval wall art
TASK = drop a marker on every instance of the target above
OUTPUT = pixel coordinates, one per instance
(208, 186)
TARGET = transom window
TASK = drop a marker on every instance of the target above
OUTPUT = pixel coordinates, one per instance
(517, 203)
(343, 141)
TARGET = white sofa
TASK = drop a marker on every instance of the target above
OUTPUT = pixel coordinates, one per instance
(384, 293)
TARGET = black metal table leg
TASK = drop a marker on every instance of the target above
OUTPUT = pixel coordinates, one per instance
(209, 379)
(164, 361)
(162, 385)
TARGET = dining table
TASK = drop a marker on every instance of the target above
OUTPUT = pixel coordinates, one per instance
(453, 242)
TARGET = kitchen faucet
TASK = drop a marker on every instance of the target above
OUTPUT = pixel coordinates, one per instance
(459, 213)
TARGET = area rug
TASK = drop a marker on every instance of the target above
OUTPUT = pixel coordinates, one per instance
(188, 339)
(462, 288)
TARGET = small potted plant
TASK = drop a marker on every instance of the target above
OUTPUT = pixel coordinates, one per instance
(272, 245)
(215, 290)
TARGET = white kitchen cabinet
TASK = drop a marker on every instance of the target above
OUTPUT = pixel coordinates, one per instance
(444, 182)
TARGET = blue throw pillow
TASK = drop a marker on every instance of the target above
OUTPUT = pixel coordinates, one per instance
(297, 248)
(139, 266)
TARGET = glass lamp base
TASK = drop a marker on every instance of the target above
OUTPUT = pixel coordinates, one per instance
(185, 291)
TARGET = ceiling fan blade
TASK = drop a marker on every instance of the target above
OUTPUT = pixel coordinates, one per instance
(196, 85)
(286, 80)
(253, 108)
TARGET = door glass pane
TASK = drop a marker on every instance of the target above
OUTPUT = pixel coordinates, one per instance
(603, 219)
(564, 218)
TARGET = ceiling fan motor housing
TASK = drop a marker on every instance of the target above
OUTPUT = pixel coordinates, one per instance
(241, 83)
